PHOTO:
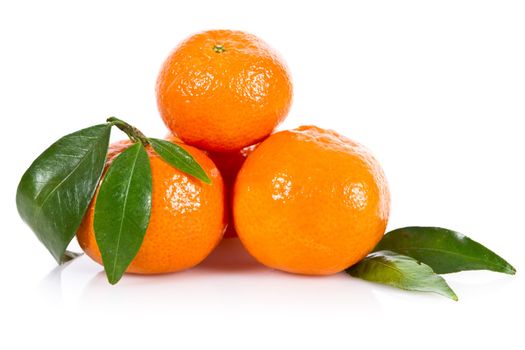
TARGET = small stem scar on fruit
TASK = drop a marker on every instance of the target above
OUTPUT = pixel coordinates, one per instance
(219, 48)
(133, 133)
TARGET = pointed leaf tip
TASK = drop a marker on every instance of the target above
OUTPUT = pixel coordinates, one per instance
(122, 210)
(56, 190)
(402, 272)
(444, 250)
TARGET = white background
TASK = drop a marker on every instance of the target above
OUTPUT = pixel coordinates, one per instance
(436, 89)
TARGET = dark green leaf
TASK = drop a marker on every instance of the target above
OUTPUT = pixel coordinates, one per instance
(400, 271)
(445, 251)
(122, 210)
(55, 191)
(179, 158)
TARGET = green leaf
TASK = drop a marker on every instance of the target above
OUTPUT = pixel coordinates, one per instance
(56, 190)
(400, 271)
(445, 251)
(179, 158)
(122, 210)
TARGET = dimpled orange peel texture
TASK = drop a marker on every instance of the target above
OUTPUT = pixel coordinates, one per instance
(223, 90)
(229, 164)
(310, 201)
(187, 217)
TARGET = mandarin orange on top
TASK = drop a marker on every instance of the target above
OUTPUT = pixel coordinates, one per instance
(310, 201)
(222, 90)
(187, 216)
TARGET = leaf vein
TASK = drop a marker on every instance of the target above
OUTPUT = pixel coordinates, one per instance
(46, 199)
(488, 262)
(117, 248)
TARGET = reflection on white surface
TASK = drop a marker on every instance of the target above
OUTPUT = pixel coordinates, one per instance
(234, 298)
(228, 279)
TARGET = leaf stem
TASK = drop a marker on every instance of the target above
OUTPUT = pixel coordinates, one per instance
(133, 133)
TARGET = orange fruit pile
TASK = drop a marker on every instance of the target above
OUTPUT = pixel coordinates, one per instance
(306, 201)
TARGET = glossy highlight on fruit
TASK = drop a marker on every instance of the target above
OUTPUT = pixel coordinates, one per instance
(229, 164)
(187, 217)
(223, 90)
(310, 201)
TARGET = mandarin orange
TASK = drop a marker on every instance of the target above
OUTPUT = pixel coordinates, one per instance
(187, 216)
(310, 201)
(223, 90)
